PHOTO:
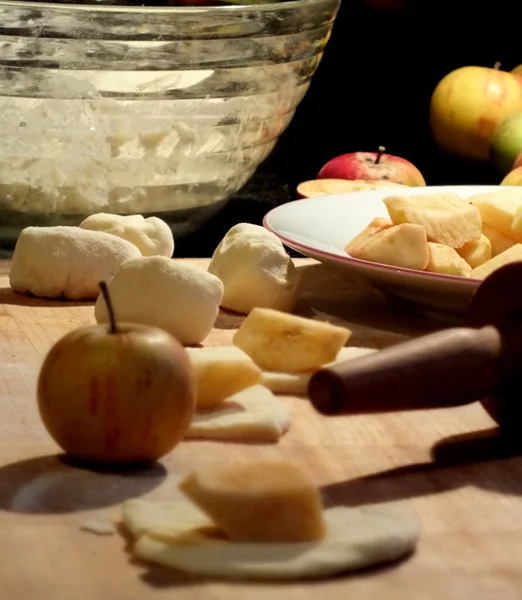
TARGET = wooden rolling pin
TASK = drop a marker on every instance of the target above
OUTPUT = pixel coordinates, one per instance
(457, 366)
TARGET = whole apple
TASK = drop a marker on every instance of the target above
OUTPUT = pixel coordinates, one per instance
(506, 144)
(517, 70)
(123, 394)
(372, 166)
(325, 187)
(518, 162)
(468, 105)
(514, 177)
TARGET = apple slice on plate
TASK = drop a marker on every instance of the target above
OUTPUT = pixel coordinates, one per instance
(324, 187)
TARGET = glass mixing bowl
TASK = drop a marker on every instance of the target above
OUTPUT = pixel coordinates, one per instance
(151, 110)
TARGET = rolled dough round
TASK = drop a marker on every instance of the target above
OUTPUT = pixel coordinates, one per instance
(178, 536)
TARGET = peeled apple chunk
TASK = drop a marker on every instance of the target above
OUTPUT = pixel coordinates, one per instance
(403, 246)
(157, 291)
(513, 254)
(255, 270)
(447, 219)
(221, 372)
(177, 534)
(277, 341)
(499, 209)
(447, 261)
(499, 242)
(152, 236)
(66, 262)
(263, 501)
(477, 252)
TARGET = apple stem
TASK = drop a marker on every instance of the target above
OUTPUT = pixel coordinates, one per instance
(110, 309)
(497, 66)
(379, 154)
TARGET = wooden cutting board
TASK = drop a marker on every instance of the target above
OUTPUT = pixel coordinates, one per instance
(445, 468)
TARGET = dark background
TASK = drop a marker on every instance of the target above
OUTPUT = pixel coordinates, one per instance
(373, 88)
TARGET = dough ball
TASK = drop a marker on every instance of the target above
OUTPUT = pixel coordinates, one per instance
(160, 292)
(152, 236)
(255, 270)
(66, 262)
(178, 535)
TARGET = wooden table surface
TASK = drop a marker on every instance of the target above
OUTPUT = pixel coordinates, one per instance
(447, 468)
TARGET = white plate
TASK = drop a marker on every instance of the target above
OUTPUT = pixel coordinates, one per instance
(321, 227)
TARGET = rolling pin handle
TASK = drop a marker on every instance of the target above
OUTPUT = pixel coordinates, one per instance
(447, 368)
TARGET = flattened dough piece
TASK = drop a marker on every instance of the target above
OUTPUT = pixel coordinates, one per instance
(297, 383)
(355, 538)
(152, 236)
(254, 414)
(163, 519)
(66, 262)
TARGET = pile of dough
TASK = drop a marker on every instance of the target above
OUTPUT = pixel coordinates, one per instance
(252, 415)
(277, 341)
(221, 372)
(66, 262)
(181, 536)
(152, 236)
(297, 383)
(255, 270)
(159, 292)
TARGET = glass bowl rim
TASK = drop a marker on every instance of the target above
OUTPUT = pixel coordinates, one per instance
(125, 9)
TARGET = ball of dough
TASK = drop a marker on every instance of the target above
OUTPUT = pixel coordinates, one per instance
(66, 262)
(160, 292)
(152, 236)
(255, 270)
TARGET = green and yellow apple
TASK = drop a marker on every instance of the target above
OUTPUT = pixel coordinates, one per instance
(514, 177)
(506, 144)
(468, 105)
(123, 394)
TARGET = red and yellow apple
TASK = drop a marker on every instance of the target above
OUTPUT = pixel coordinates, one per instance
(514, 177)
(325, 187)
(372, 166)
(506, 144)
(118, 395)
(517, 70)
(468, 105)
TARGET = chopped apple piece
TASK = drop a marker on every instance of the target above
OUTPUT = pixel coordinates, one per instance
(447, 219)
(401, 246)
(499, 242)
(477, 252)
(221, 373)
(513, 254)
(446, 260)
(278, 341)
(359, 241)
(264, 501)
(498, 209)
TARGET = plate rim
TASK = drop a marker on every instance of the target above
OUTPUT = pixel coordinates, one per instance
(307, 249)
